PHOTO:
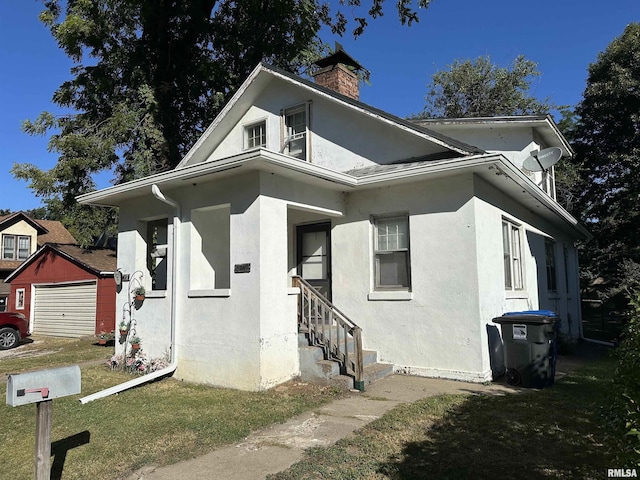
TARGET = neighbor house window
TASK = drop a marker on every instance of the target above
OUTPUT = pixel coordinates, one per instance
(295, 131)
(20, 299)
(391, 253)
(255, 135)
(512, 251)
(16, 247)
(550, 260)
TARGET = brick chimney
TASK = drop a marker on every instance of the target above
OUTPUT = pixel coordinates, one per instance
(338, 72)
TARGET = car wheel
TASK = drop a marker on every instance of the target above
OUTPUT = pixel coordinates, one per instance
(9, 338)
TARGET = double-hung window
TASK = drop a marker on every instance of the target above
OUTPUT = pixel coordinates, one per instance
(549, 182)
(255, 135)
(512, 252)
(20, 298)
(16, 247)
(296, 124)
(391, 253)
(157, 238)
(550, 260)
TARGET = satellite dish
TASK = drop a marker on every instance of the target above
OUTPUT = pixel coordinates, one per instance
(540, 161)
(117, 276)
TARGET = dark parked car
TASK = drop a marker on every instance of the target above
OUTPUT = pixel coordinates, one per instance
(13, 328)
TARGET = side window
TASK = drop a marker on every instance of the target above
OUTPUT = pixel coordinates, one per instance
(255, 135)
(157, 253)
(550, 261)
(512, 252)
(20, 299)
(391, 253)
(296, 126)
(549, 182)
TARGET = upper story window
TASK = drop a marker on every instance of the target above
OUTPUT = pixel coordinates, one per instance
(548, 183)
(296, 125)
(550, 260)
(512, 252)
(391, 253)
(255, 135)
(16, 247)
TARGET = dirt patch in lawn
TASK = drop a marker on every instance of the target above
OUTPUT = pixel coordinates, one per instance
(24, 351)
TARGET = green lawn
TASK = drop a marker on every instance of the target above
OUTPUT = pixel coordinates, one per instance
(163, 422)
(556, 433)
(48, 352)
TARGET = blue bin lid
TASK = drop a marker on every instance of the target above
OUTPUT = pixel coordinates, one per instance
(529, 316)
(544, 313)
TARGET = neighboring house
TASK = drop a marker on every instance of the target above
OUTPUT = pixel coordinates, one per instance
(418, 233)
(20, 236)
(66, 290)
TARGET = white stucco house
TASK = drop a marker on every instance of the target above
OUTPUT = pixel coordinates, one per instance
(418, 233)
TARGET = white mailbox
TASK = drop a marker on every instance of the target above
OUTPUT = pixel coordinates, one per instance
(33, 387)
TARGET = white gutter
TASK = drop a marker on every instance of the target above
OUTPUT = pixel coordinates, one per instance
(169, 369)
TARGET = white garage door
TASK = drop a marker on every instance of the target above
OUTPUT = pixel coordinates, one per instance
(65, 310)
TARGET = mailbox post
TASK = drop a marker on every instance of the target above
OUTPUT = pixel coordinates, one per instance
(41, 388)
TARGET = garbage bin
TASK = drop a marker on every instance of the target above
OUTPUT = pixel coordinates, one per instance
(529, 347)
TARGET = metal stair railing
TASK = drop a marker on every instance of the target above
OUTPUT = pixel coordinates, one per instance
(332, 330)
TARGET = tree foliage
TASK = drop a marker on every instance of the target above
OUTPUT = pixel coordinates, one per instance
(607, 142)
(480, 88)
(150, 75)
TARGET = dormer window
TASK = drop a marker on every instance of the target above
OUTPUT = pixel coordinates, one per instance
(16, 247)
(255, 135)
(296, 125)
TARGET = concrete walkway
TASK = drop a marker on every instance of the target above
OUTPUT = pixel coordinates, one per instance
(280, 446)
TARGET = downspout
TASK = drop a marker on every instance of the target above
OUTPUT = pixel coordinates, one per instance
(169, 369)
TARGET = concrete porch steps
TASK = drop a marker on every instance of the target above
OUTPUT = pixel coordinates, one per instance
(315, 369)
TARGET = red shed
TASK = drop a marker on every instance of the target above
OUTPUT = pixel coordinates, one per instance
(66, 290)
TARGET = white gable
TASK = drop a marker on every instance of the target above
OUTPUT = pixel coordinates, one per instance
(342, 135)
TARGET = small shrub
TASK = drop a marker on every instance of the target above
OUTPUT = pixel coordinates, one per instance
(626, 391)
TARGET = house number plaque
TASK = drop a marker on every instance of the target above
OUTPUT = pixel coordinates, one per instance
(242, 268)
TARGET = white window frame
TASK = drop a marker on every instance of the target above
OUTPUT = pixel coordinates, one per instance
(20, 298)
(157, 253)
(548, 182)
(378, 252)
(16, 247)
(512, 238)
(551, 264)
(286, 136)
(249, 135)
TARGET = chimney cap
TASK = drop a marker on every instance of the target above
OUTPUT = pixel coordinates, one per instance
(339, 56)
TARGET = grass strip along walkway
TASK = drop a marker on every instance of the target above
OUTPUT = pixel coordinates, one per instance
(556, 433)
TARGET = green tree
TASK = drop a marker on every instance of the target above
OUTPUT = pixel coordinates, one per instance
(479, 88)
(569, 176)
(150, 75)
(607, 142)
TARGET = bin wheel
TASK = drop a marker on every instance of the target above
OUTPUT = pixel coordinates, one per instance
(513, 377)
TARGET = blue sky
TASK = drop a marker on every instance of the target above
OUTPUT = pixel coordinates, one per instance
(562, 36)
